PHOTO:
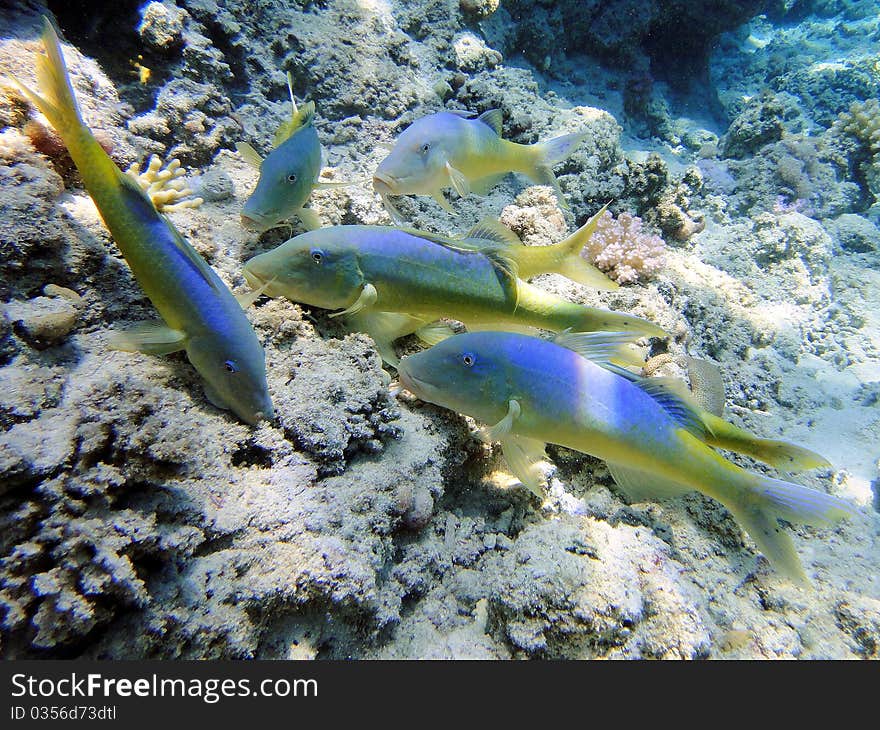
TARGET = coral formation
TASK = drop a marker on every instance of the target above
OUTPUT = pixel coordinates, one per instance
(139, 521)
(623, 250)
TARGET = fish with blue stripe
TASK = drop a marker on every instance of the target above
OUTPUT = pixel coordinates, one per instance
(199, 314)
(533, 392)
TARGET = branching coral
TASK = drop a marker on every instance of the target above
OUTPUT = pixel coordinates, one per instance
(862, 121)
(164, 185)
(861, 124)
(623, 250)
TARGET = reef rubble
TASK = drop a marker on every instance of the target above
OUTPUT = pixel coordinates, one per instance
(137, 520)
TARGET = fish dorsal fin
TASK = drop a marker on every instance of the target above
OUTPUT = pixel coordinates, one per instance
(599, 347)
(249, 154)
(299, 116)
(463, 113)
(490, 229)
(453, 243)
(496, 254)
(707, 385)
(502, 262)
(493, 119)
(672, 394)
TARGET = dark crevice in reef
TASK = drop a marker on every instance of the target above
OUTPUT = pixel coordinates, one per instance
(110, 37)
(250, 454)
(233, 55)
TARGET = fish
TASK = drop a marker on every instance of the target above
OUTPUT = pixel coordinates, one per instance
(372, 272)
(199, 314)
(534, 391)
(288, 174)
(449, 149)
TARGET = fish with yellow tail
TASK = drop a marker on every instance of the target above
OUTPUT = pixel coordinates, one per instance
(288, 174)
(376, 274)
(536, 391)
(450, 150)
(198, 312)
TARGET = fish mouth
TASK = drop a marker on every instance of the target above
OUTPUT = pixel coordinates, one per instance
(416, 386)
(267, 414)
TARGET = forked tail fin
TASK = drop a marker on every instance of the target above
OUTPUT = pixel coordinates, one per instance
(547, 154)
(576, 267)
(55, 98)
(759, 508)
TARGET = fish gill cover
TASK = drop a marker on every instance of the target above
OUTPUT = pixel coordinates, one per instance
(140, 521)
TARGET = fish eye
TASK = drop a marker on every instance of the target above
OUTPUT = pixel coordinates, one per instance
(230, 366)
(317, 255)
(291, 178)
(425, 148)
(468, 359)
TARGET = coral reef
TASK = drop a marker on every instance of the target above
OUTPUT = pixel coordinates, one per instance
(139, 521)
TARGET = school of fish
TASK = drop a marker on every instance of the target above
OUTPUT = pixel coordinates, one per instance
(577, 390)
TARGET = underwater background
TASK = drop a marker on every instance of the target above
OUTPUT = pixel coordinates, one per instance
(138, 520)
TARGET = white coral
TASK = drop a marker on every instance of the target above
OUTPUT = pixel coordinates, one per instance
(164, 185)
(623, 250)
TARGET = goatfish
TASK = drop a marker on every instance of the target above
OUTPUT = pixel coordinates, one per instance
(535, 391)
(378, 273)
(288, 174)
(448, 149)
(198, 312)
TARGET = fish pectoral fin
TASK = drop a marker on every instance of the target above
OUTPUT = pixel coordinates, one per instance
(152, 338)
(443, 202)
(458, 180)
(309, 218)
(249, 154)
(524, 456)
(502, 429)
(365, 300)
(640, 486)
(434, 332)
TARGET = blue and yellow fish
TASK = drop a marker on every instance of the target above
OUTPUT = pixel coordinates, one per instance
(288, 174)
(378, 273)
(447, 149)
(536, 391)
(199, 313)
